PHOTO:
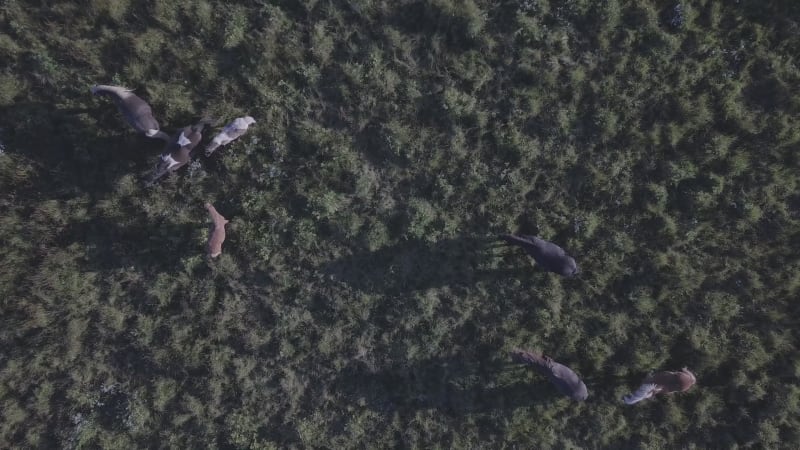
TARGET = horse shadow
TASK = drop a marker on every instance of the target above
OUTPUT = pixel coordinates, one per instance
(69, 150)
(149, 246)
(456, 385)
(417, 264)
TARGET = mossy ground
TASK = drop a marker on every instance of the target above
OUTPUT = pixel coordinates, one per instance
(359, 301)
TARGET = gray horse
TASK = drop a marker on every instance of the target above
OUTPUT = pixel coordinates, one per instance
(546, 254)
(135, 110)
(567, 381)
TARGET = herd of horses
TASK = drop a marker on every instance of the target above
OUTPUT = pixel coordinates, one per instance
(179, 148)
(553, 258)
(178, 151)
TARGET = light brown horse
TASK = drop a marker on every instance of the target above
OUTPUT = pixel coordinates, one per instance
(217, 234)
(662, 382)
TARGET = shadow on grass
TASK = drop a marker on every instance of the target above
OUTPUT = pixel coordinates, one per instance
(148, 247)
(454, 385)
(69, 152)
(417, 264)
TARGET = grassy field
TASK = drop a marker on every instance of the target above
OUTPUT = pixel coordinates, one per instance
(359, 301)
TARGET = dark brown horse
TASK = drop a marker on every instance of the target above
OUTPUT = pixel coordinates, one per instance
(662, 382)
(178, 151)
(567, 381)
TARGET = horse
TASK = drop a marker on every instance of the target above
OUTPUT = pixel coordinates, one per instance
(231, 131)
(135, 110)
(546, 254)
(662, 383)
(216, 235)
(567, 381)
(178, 150)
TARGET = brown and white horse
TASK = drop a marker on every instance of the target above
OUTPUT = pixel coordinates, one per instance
(662, 383)
(178, 151)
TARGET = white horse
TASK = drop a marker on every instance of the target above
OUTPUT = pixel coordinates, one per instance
(231, 131)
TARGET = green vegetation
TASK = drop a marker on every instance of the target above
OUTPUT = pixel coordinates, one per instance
(357, 303)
